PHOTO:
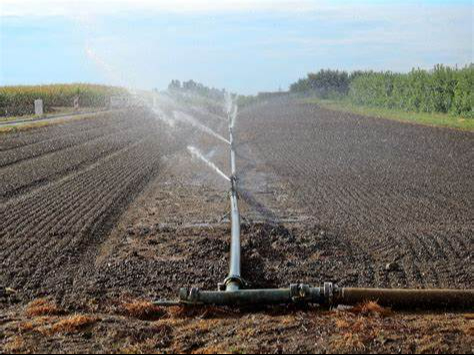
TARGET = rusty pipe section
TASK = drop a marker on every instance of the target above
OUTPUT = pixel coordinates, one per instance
(406, 298)
(331, 296)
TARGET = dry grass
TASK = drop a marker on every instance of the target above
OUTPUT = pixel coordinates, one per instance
(358, 327)
(14, 345)
(179, 312)
(72, 324)
(148, 340)
(352, 341)
(49, 326)
(370, 308)
(37, 324)
(42, 307)
(342, 324)
(469, 330)
(210, 331)
(203, 312)
(147, 347)
(432, 344)
(45, 123)
(26, 327)
(353, 335)
(216, 349)
(142, 310)
(32, 125)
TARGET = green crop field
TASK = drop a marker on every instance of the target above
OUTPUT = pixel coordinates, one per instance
(442, 90)
(19, 100)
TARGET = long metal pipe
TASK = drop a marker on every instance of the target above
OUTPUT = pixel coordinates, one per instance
(234, 279)
(233, 165)
(293, 294)
(332, 296)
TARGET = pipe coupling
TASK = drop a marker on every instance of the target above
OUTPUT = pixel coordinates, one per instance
(232, 279)
(328, 291)
(300, 293)
(189, 295)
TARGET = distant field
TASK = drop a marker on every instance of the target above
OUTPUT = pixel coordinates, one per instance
(58, 111)
(26, 124)
(19, 100)
(430, 119)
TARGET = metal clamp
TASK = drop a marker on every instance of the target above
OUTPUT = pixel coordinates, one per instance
(300, 293)
(190, 296)
(328, 291)
(233, 181)
(232, 279)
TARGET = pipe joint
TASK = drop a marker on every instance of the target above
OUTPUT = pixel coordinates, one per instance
(301, 293)
(189, 296)
(232, 295)
(329, 290)
(233, 181)
(232, 281)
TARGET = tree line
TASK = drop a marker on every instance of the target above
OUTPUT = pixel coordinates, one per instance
(191, 86)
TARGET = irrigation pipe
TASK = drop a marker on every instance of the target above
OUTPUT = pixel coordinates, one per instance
(234, 281)
(232, 293)
(330, 295)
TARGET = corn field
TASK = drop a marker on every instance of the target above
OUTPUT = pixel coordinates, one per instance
(19, 100)
(442, 89)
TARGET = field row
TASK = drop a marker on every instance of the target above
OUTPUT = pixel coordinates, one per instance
(57, 226)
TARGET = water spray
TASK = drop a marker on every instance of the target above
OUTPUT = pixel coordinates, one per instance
(196, 153)
(232, 291)
(183, 117)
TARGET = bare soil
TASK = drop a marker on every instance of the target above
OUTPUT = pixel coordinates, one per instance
(101, 216)
(389, 192)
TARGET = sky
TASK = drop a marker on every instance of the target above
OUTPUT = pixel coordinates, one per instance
(241, 45)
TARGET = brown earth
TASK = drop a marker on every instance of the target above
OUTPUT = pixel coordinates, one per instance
(389, 192)
(325, 196)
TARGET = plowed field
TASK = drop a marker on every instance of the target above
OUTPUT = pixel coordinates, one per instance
(388, 192)
(62, 188)
(100, 216)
